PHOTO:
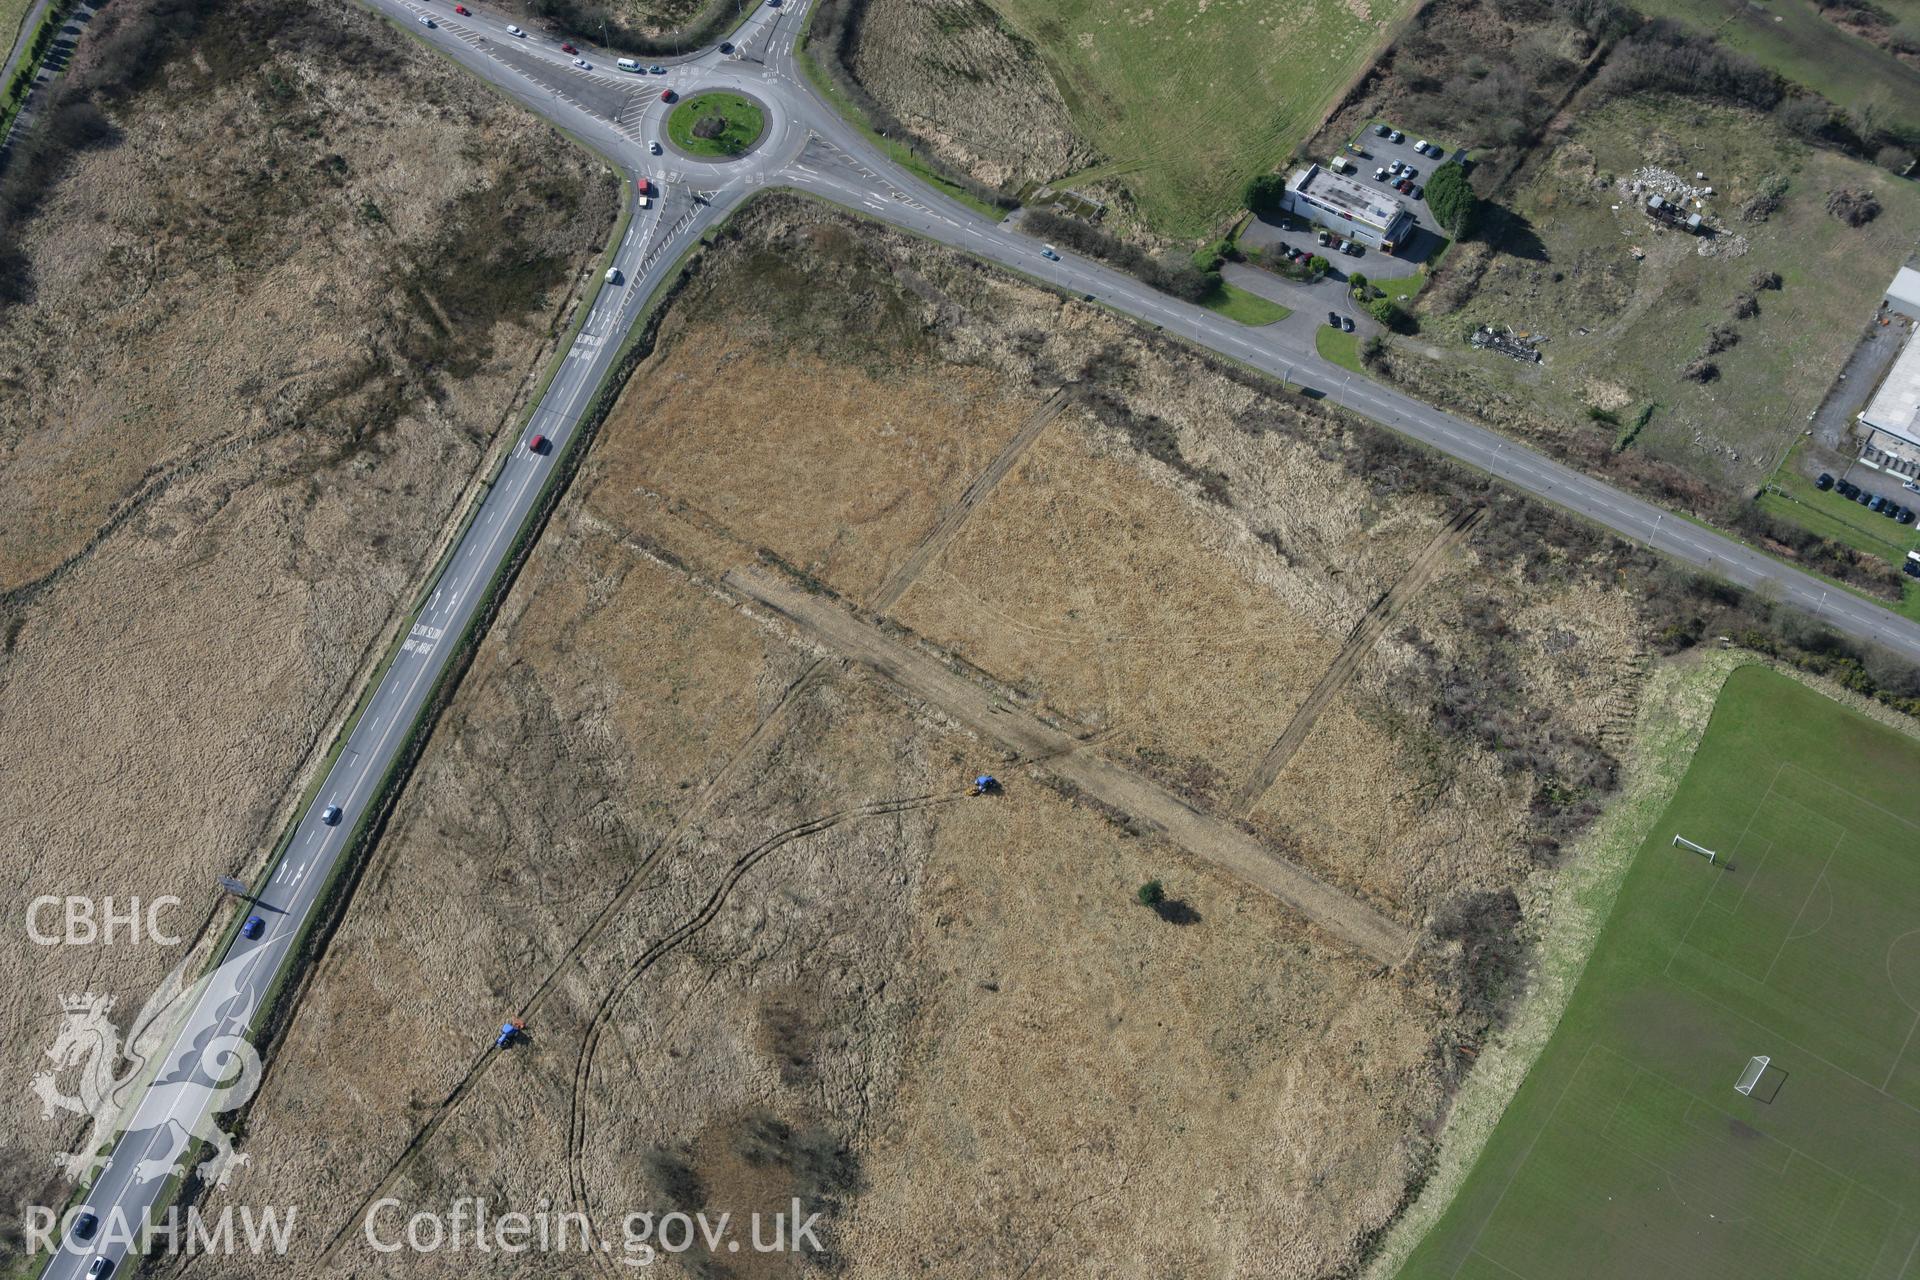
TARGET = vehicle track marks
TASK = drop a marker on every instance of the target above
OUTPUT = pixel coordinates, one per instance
(997, 718)
(1346, 664)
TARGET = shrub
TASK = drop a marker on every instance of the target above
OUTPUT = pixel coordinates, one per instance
(1391, 314)
(1265, 193)
(1151, 894)
(1764, 280)
(1701, 370)
(1721, 337)
(1452, 200)
(1173, 275)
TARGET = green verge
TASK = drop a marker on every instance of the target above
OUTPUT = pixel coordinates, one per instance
(895, 151)
(742, 123)
(1247, 308)
(1627, 1152)
(1337, 346)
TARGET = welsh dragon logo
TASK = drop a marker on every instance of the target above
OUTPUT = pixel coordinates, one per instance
(114, 1087)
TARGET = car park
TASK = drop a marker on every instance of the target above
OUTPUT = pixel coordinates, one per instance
(253, 928)
(1824, 482)
(516, 32)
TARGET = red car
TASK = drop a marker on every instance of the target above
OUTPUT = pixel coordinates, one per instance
(463, 11)
(643, 186)
(538, 444)
(666, 95)
(567, 48)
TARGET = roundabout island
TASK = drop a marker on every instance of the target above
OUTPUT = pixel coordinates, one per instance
(716, 124)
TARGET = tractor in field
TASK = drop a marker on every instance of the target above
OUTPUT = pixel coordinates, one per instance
(984, 785)
(509, 1032)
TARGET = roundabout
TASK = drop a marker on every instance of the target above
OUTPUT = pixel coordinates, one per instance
(716, 125)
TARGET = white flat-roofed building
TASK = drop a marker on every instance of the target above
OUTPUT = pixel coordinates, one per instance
(1895, 407)
(1903, 295)
(1349, 207)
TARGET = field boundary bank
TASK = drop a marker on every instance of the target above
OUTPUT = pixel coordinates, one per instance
(1678, 702)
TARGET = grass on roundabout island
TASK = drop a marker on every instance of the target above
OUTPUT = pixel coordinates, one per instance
(740, 124)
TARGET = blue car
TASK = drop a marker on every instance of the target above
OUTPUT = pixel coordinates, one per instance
(253, 928)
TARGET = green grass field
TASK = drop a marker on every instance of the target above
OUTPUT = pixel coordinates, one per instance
(1339, 347)
(1627, 1152)
(1190, 101)
(742, 123)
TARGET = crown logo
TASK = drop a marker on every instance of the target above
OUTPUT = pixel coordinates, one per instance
(86, 1003)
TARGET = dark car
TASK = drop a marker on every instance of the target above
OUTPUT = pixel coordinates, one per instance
(1333, 318)
(1824, 482)
(1905, 516)
(726, 46)
(85, 1225)
(666, 95)
(1864, 498)
(1346, 323)
(1891, 509)
(1876, 504)
(1846, 488)
(1381, 131)
(253, 928)
(1419, 192)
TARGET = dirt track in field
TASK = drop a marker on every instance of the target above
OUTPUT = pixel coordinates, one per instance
(1148, 803)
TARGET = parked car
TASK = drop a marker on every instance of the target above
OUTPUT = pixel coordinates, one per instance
(1355, 248)
(1905, 516)
(1876, 504)
(1419, 192)
(1412, 173)
(1908, 484)
(1891, 509)
(1333, 318)
(1421, 146)
(1396, 137)
(253, 928)
(1324, 237)
(1404, 187)
(1846, 488)
(1346, 322)
(1866, 499)
(1435, 153)
(1395, 168)
(1381, 131)
(516, 32)
(1824, 482)
(1380, 174)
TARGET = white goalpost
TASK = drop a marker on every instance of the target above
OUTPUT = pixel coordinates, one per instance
(1682, 842)
(1756, 1067)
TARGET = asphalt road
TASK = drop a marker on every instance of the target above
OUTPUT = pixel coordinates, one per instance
(811, 148)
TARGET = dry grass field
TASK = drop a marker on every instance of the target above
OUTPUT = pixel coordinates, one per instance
(765, 944)
(231, 434)
(972, 88)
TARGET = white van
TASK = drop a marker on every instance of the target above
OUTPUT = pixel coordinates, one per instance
(643, 202)
(628, 64)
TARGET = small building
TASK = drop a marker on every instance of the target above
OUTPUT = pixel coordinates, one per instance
(1903, 295)
(1349, 208)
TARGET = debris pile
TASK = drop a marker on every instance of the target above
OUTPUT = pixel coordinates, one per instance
(1521, 346)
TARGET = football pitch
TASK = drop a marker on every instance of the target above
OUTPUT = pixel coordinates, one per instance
(1627, 1151)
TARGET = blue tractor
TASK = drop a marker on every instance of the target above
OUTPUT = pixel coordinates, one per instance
(509, 1031)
